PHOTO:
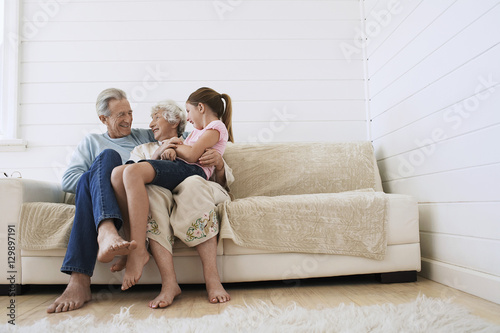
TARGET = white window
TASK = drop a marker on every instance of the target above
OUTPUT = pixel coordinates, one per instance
(9, 67)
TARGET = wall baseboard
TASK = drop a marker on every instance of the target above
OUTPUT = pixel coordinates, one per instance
(483, 285)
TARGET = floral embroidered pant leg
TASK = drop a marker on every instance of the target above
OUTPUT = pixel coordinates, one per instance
(194, 218)
(160, 206)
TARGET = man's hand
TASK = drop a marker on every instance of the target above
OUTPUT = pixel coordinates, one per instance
(211, 157)
(169, 154)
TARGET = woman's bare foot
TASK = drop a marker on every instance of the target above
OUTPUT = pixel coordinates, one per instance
(216, 292)
(111, 245)
(76, 294)
(136, 261)
(166, 296)
(119, 265)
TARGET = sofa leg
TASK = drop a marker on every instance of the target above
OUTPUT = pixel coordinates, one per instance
(397, 277)
(12, 289)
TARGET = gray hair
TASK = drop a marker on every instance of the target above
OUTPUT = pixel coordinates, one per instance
(172, 113)
(102, 104)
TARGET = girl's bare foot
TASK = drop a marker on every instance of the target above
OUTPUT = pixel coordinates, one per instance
(216, 292)
(111, 245)
(119, 265)
(166, 296)
(136, 261)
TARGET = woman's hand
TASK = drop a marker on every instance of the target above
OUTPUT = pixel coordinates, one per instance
(159, 151)
(211, 157)
(169, 154)
(174, 141)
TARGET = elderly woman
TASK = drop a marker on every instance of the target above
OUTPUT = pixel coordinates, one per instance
(195, 222)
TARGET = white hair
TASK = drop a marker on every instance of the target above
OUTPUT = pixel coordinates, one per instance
(102, 103)
(172, 113)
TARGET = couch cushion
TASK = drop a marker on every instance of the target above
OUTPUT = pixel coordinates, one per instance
(348, 223)
(402, 226)
(301, 168)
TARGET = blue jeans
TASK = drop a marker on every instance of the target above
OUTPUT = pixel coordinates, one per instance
(95, 201)
(169, 174)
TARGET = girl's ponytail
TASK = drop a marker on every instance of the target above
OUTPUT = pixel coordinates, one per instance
(227, 116)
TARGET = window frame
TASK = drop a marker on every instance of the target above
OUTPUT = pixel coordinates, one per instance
(9, 133)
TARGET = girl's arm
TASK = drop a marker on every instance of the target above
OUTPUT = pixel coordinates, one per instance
(193, 153)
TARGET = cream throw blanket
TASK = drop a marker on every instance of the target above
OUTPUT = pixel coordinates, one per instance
(45, 226)
(287, 200)
(349, 223)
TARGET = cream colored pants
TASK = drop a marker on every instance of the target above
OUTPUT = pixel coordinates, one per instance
(188, 212)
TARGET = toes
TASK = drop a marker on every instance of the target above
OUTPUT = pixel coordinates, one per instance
(128, 283)
(132, 245)
(125, 284)
(59, 307)
(220, 299)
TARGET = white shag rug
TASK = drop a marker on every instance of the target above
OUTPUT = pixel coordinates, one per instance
(422, 315)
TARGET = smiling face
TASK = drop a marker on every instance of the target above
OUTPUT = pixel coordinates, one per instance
(195, 115)
(119, 123)
(162, 129)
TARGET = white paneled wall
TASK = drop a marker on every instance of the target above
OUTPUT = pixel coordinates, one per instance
(296, 71)
(280, 61)
(434, 105)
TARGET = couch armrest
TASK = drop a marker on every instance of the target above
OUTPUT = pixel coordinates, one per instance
(13, 193)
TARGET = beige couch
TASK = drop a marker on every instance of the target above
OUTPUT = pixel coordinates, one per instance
(299, 210)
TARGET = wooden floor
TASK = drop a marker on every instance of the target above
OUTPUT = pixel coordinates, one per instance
(312, 293)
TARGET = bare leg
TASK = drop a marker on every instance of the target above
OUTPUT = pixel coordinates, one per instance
(169, 286)
(76, 294)
(121, 197)
(135, 178)
(111, 244)
(208, 254)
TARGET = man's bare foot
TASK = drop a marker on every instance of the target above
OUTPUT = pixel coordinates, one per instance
(166, 296)
(111, 245)
(76, 294)
(119, 265)
(133, 269)
(216, 292)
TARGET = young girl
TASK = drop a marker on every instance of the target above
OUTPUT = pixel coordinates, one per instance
(210, 113)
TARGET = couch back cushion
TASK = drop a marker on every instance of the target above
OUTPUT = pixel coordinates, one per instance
(301, 168)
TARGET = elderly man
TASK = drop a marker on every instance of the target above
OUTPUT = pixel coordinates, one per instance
(97, 216)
